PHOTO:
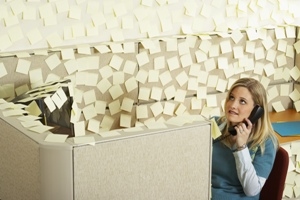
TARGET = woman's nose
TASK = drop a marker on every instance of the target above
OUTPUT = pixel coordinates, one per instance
(234, 104)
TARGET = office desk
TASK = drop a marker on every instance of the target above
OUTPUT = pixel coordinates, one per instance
(287, 115)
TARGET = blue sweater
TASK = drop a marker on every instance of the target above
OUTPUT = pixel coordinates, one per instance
(225, 182)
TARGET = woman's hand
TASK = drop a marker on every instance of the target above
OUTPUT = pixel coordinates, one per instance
(243, 133)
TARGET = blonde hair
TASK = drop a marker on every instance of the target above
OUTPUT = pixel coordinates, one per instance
(262, 130)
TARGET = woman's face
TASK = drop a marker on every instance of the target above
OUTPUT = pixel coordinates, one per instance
(239, 105)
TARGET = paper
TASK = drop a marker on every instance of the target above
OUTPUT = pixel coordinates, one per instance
(3, 71)
(56, 138)
(40, 129)
(89, 112)
(84, 140)
(93, 125)
(125, 120)
(79, 128)
(173, 63)
(291, 128)
(144, 93)
(53, 61)
(114, 107)
(142, 58)
(156, 93)
(100, 107)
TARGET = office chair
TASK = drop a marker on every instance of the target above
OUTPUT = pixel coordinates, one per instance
(274, 186)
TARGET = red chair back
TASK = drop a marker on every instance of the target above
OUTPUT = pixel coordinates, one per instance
(274, 186)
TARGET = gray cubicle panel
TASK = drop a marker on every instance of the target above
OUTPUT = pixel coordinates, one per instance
(170, 163)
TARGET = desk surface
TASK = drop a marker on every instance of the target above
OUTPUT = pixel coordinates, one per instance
(287, 115)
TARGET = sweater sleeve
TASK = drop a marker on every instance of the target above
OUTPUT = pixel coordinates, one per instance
(253, 175)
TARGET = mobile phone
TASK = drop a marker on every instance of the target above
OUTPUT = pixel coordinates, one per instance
(256, 113)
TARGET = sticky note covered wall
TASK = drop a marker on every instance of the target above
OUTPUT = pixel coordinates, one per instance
(31, 25)
(137, 62)
(158, 79)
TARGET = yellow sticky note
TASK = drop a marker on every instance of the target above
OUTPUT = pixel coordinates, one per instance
(215, 129)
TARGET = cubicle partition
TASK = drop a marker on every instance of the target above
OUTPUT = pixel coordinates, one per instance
(167, 163)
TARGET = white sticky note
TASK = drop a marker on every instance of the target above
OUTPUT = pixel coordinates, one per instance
(89, 112)
(52, 61)
(56, 138)
(170, 92)
(295, 73)
(50, 104)
(295, 95)
(156, 109)
(79, 128)
(269, 69)
(156, 93)
(3, 71)
(144, 93)
(141, 112)
(142, 76)
(129, 67)
(211, 101)
(100, 107)
(173, 63)
(125, 120)
(104, 85)
(278, 106)
(28, 124)
(131, 84)
(54, 40)
(118, 77)
(142, 58)
(127, 104)
(180, 95)
(40, 129)
(67, 54)
(272, 93)
(196, 104)
(180, 109)
(165, 77)
(182, 78)
(114, 107)
(75, 12)
(93, 125)
(89, 97)
(58, 102)
(116, 62)
(169, 108)
(186, 60)
(116, 91)
(85, 140)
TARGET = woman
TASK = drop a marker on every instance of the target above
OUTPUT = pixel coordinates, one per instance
(241, 163)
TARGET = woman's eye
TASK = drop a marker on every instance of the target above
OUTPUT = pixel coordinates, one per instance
(243, 102)
(231, 97)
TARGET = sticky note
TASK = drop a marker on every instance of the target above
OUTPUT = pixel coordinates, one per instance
(156, 93)
(127, 104)
(52, 61)
(93, 125)
(3, 71)
(56, 138)
(125, 120)
(79, 128)
(141, 112)
(100, 107)
(116, 91)
(84, 140)
(131, 84)
(144, 93)
(173, 63)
